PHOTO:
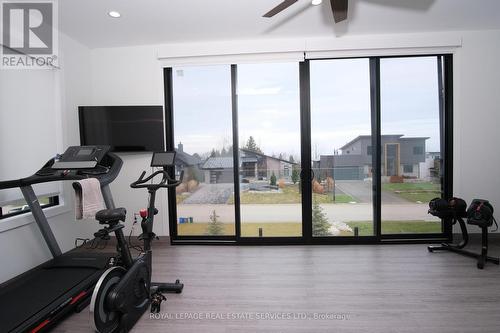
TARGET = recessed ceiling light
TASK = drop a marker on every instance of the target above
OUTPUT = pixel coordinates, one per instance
(316, 2)
(114, 14)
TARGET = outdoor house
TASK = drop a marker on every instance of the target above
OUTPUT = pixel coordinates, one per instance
(401, 156)
(190, 163)
(254, 166)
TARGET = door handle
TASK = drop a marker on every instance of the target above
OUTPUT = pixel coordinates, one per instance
(311, 174)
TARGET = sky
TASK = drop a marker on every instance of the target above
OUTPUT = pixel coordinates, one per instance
(268, 104)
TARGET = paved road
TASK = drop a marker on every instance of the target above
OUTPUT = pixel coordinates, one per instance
(292, 212)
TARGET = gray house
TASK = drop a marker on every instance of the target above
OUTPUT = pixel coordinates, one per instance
(401, 156)
(253, 166)
(189, 163)
(218, 170)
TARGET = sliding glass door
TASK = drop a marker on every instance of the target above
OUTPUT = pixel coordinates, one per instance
(203, 142)
(269, 154)
(322, 151)
(341, 145)
(410, 96)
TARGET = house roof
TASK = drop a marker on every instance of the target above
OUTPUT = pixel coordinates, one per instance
(360, 137)
(186, 158)
(415, 138)
(244, 150)
(399, 136)
(218, 163)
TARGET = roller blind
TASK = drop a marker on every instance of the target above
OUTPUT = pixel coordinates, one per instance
(227, 59)
(29, 104)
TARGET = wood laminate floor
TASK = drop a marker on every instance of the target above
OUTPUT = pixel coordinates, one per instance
(356, 288)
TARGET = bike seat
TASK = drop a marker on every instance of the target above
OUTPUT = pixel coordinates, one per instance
(110, 215)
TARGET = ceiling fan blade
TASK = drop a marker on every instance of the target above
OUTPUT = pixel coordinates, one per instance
(282, 6)
(339, 9)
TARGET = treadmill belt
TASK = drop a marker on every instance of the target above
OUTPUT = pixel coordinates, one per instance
(35, 292)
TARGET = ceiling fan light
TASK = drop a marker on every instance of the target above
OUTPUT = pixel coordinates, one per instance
(114, 14)
(316, 2)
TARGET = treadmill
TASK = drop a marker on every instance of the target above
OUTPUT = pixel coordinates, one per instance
(35, 300)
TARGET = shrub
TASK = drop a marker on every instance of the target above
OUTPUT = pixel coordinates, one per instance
(317, 187)
(295, 175)
(181, 188)
(330, 184)
(215, 227)
(192, 185)
(320, 224)
(281, 183)
(273, 179)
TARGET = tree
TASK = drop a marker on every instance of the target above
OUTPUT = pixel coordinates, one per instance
(213, 153)
(215, 227)
(320, 224)
(273, 179)
(291, 159)
(252, 145)
(295, 175)
(227, 151)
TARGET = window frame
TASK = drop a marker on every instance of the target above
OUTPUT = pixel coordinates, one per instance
(445, 68)
(53, 201)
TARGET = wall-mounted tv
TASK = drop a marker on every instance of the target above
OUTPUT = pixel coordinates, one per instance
(124, 128)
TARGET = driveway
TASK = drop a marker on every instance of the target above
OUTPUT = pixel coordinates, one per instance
(362, 192)
(210, 194)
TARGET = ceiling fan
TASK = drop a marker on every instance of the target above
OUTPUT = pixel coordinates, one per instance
(339, 8)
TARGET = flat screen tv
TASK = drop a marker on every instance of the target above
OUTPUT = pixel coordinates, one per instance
(124, 128)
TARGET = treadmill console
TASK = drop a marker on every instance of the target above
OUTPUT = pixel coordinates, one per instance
(81, 157)
(163, 159)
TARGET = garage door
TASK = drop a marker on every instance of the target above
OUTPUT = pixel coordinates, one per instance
(348, 173)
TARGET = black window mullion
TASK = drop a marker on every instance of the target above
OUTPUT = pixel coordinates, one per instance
(447, 135)
(169, 140)
(236, 155)
(305, 129)
(376, 144)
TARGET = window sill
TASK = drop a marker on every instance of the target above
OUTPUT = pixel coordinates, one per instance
(25, 219)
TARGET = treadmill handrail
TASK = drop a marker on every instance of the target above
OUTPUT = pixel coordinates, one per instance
(104, 179)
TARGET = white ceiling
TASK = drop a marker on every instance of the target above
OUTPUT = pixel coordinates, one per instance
(165, 21)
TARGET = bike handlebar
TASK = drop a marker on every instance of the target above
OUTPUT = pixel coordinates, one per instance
(166, 181)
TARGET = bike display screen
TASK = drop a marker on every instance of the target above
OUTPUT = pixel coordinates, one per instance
(162, 159)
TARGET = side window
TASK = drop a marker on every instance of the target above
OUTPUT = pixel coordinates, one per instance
(408, 168)
(21, 207)
(418, 150)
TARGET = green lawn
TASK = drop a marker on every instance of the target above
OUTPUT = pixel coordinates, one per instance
(397, 227)
(247, 229)
(295, 229)
(289, 195)
(414, 192)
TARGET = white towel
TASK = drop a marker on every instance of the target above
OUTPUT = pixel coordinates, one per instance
(88, 199)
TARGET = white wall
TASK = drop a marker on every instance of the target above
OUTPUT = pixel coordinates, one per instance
(477, 118)
(23, 247)
(132, 75)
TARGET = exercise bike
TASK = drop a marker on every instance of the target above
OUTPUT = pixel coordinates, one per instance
(124, 292)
